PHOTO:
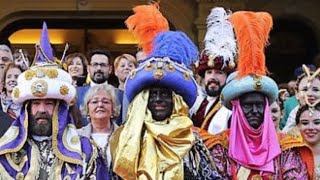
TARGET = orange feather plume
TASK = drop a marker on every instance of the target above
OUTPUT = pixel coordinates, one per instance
(146, 23)
(252, 31)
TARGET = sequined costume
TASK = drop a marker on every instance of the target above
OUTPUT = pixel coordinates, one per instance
(146, 147)
(251, 148)
(61, 155)
(288, 165)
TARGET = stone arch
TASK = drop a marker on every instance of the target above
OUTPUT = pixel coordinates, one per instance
(293, 41)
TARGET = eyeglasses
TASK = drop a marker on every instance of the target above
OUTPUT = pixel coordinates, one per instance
(102, 65)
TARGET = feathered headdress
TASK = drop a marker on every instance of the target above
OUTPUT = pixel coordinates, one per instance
(252, 30)
(146, 23)
(175, 45)
(220, 44)
(165, 66)
(252, 33)
(170, 54)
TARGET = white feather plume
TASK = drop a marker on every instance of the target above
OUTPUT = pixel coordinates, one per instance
(219, 39)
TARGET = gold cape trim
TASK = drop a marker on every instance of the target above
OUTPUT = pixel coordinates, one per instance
(34, 169)
(55, 125)
(210, 115)
(148, 149)
(16, 149)
(75, 138)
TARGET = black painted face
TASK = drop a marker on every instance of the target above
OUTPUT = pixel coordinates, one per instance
(252, 105)
(160, 103)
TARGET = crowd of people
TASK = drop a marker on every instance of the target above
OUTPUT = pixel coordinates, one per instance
(174, 113)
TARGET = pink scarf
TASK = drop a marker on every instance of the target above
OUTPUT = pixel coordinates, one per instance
(253, 148)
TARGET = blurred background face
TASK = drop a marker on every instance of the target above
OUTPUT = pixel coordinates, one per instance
(140, 55)
(4, 60)
(75, 67)
(292, 86)
(284, 95)
(100, 106)
(310, 90)
(309, 126)
(123, 69)
(99, 68)
(11, 78)
(275, 114)
(18, 60)
(214, 81)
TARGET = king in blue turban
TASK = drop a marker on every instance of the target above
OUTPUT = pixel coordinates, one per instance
(157, 140)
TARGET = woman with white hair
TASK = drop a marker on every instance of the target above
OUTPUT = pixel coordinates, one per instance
(101, 107)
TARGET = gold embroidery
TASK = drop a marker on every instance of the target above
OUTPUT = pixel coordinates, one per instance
(29, 74)
(17, 160)
(52, 73)
(256, 177)
(158, 74)
(170, 68)
(14, 132)
(40, 73)
(148, 67)
(73, 101)
(34, 169)
(16, 92)
(20, 176)
(211, 62)
(57, 167)
(75, 140)
(210, 115)
(39, 88)
(4, 174)
(55, 125)
(132, 74)
(288, 142)
(186, 76)
(64, 90)
(67, 177)
(25, 126)
(258, 84)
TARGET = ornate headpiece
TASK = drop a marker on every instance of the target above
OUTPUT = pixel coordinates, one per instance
(220, 44)
(44, 79)
(168, 59)
(166, 65)
(310, 76)
(252, 32)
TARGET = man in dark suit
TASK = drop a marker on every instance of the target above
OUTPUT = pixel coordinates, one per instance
(5, 120)
(99, 69)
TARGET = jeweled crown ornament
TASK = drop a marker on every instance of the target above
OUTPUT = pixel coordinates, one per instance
(44, 78)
